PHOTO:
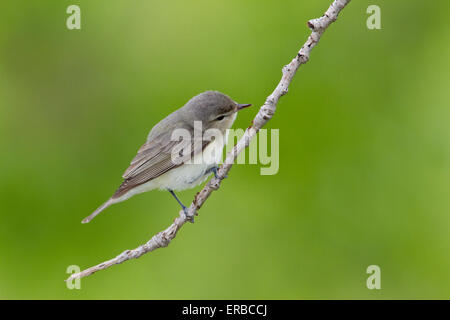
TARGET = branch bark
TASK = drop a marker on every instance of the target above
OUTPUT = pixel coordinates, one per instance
(265, 113)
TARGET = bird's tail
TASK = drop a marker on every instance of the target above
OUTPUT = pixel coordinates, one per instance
(99, 209)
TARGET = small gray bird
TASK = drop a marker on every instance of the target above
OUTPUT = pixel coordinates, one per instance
(155, 167)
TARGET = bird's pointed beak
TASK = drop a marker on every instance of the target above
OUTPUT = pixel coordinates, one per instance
(243, 106)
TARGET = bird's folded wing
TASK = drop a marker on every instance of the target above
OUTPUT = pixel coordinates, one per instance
(156, 157)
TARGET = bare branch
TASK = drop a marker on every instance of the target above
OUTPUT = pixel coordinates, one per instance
(265, 113)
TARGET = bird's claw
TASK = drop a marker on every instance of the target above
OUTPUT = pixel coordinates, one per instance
(187, 216)
(214, 170)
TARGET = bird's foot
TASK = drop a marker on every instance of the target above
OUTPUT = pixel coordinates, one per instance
(214, 170)
(188, 217)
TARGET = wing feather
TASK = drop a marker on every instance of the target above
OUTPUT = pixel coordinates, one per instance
(154, 158)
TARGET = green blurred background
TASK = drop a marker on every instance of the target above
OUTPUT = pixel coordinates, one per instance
(364, 149)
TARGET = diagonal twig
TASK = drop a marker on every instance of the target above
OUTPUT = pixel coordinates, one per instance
(265, 113)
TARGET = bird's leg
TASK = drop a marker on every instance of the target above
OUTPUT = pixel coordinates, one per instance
(182, 205)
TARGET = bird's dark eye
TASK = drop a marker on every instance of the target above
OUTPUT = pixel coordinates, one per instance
(220, 118)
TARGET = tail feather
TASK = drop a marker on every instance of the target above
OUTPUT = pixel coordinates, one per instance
(99, 209)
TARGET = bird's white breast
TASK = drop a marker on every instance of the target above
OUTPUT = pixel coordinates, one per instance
(189, 175)
(185, 176)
